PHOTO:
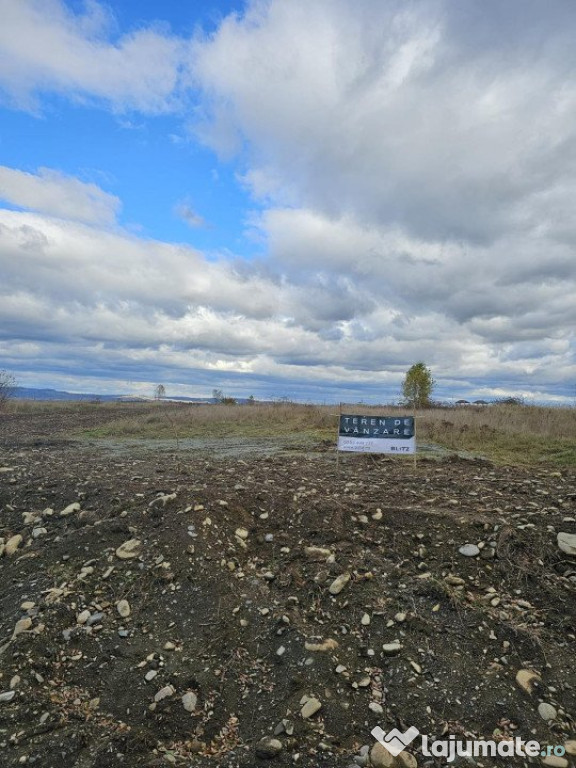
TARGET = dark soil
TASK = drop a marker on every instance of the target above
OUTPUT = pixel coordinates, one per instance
(211, 611)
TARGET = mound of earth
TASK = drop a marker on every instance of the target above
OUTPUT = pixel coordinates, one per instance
(161, 608)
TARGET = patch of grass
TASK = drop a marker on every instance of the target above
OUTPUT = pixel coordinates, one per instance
(509, 434)
(162, 421)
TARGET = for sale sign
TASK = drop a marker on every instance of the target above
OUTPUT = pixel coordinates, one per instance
(377, 434)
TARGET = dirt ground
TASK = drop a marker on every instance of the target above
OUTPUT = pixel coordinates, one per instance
(220, 623)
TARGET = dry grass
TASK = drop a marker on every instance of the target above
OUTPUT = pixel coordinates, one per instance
(163, 419)
(504, 433)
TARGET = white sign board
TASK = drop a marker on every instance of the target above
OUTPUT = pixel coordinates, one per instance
(377, 434)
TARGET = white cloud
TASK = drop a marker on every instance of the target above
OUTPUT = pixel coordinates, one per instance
(45, 46)
(415, 166)
(54, 193)
(393, 113)
(102, 299)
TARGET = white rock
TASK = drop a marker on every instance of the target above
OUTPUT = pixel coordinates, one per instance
(189, 701)
(83, 617)
(70, 509)
(376, 708)
(267, 748)
(162, 499)
(129, 549)
(469, 550)
(567, 543)
(150, 675)
(391, 649)
(7, 696)
(570, 747)
(555, 762)
(241, 533)
(22, 626)
(317, 553)
(365, 620)
(310, 708)
(339, 583)
(123, 608)
(12, 544)
(37, 532)
(164, 693)
(547, 711)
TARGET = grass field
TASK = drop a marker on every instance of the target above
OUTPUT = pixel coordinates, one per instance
(515, 434)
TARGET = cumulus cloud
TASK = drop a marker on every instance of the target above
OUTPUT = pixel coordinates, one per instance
(104, 300)
(414, 166)
(398, 112)
(45, 46)
(52, 192)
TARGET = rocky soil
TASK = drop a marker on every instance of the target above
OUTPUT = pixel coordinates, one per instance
(164, 608)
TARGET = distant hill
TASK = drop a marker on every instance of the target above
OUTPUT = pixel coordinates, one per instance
(30, 393)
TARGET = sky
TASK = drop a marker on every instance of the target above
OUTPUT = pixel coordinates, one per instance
(289, 198)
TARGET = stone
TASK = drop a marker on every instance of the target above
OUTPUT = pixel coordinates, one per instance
(317, 553)
(454, 581)
(123, 608)
(310, 708)
(37, 532)
(365, 620)
(189, 701)
(555, 762)
(567, 543)
(241, 533)
(70, 509)
(381, 758)
(391, 649)
(547, 711)
(376, 708)
(469, 550)
(129, 549)
(339, 583)
(164, 693)
(7, 696)
(150, 675)
(327, 645)
(83, 617)
(162, 499)
(22, 626)
(527, 679)
(12, 544)
(268, 747)
(406, 760)
(570, 747)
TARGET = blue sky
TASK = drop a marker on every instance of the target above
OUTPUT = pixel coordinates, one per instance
(289, 198)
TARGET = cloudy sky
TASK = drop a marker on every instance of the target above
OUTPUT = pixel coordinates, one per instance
(289, 197)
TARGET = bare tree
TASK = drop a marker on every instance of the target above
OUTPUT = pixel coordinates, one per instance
(159, 392)
(7, 384)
